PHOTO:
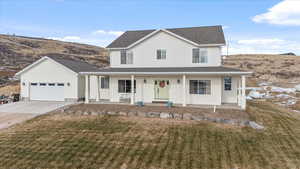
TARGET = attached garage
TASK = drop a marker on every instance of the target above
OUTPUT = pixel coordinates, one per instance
(54, 79)
(47, 91)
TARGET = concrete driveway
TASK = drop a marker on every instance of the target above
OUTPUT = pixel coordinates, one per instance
(18, 112)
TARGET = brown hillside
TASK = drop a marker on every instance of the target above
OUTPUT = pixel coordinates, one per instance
(16, 52)
(281, 69)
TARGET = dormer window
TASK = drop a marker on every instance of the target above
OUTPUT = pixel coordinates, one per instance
(161, 54)
(126, 57)
(200, 55)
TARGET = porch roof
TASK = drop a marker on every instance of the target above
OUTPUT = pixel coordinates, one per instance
(167, 71)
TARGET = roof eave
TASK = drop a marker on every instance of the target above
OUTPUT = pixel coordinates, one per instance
(165, 73)
(198, 45)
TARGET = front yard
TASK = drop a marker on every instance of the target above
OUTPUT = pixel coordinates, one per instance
(71, 141)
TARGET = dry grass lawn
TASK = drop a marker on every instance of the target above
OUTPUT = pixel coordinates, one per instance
(66, 141)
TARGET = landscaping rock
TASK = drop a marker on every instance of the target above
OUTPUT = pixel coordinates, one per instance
(197, 117)
(94, 113)
(85, 113)
(112, 113)
(123, 113)
(177, 116)
(187, 116)
(297, 87)
(132, 114)
(165, 115)
(153, 114)
(229, 121)
(254, 125)
(141, 114)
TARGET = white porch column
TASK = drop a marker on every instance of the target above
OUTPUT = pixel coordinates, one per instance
(243, 98)
(132, 90)
(98, 88)
(239, 92)
(184, 90)
(87, 89)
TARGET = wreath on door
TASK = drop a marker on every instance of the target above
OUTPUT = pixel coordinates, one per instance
(162, 84)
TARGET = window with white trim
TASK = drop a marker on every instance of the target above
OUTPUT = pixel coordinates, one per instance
(105, 82)
(124, 86)
(227, 83)
(199, 55)
(161, 54)
(201, 87)
(126, 57)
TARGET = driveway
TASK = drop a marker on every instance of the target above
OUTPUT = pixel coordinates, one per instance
(18, 112)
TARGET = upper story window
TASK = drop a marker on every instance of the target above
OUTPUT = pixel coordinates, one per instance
(200, 55)
(227, 83)
(126, 57)
(161, 54)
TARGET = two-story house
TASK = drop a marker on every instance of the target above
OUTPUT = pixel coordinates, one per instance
(180, 65)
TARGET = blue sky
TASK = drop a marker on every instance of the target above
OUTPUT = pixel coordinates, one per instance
(253, 26)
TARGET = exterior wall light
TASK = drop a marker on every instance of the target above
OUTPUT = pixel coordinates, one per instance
(68, 84)
(145, 81)
(178, 81)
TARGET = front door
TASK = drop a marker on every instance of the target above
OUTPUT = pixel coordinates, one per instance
(161, 89)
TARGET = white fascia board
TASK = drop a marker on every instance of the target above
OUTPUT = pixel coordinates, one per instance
(165, 73)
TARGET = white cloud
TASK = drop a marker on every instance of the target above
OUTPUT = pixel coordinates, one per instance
(261, 41)
(286, 12)
(77, 39)
(103, 32)
(262, 46)
(225, 27)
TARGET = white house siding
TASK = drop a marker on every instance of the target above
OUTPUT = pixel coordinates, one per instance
(104, 93)
(49, 71)
(81, 87)
(179, 53)
(212, 99)
(230, 96)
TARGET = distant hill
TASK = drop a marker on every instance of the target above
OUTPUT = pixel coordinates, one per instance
(281, 69)
(16, 52)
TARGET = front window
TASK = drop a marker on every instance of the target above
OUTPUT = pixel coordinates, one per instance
(201, 87)
(125, 86)
(227, 83)
(126, 57)
(105, 82)
(161, 54)
(200, 55)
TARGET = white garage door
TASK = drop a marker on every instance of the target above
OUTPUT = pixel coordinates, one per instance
(47, 91)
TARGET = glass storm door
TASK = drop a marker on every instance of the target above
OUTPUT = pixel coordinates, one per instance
(161, 89)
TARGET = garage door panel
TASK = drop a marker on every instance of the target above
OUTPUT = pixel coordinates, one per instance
(48, 92)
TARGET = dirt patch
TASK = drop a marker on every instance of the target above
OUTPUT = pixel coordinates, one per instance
(10, 89)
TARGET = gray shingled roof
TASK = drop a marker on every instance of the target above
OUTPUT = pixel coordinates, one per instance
(75, 65)
(199, 35)
(218, 69)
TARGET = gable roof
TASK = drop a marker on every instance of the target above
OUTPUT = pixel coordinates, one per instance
(206, 35)
(73, 65)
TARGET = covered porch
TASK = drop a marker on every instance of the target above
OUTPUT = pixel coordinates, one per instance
(192, 89)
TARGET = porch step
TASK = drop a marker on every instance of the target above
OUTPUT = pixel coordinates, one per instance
(160, 102)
